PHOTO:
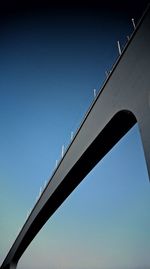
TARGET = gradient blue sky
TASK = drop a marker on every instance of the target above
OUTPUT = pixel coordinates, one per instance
(49, 66)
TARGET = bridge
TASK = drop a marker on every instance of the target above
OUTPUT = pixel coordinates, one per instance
(123, 101)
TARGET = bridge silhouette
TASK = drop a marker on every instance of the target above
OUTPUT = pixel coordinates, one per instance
(123, 100)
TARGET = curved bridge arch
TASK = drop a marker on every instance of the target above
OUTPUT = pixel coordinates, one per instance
(123, 101)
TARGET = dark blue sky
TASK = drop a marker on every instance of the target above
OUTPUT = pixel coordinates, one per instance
(51, 59)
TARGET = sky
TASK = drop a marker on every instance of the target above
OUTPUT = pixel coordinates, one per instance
(51, 60)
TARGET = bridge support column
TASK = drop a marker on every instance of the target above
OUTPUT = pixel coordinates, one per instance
(144, 126)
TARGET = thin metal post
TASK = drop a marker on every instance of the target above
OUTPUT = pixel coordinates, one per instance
(71, 136)
(119, 47)
(28, 214)
(94, 93)
(106, 73)
(133, 22)
(56, 164)
(45, 183)
(62, 151)
(40, 191)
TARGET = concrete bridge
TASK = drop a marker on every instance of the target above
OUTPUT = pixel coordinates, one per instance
(123, 101)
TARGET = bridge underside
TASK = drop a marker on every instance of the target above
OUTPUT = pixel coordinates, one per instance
(123, 101)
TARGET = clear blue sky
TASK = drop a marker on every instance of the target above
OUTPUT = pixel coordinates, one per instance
(49, 66)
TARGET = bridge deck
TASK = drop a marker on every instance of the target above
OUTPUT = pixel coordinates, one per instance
(123, 101)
